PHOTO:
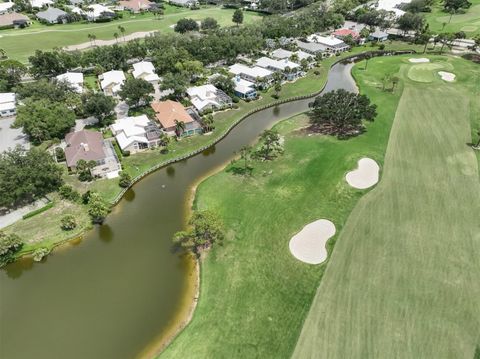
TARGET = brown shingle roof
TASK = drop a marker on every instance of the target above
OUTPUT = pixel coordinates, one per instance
(136, 5)
(169, 111)
(83, 145)
(9, 18)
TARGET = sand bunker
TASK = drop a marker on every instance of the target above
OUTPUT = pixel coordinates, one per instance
(308, 245)
(447, 76)
(365, 176)
(419, 60)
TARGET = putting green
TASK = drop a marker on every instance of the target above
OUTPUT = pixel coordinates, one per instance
(469, 28)
(425, 72)
(402, 281)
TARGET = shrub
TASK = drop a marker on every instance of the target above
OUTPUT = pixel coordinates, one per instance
(68, 192)
(38, 211)
(125, 179)
(68, 222)
(39, 253)
(59, 154)
(126, 153)
(9, 245)
(86, 197)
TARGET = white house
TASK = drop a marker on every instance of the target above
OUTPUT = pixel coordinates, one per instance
(97, 11)
(145, 70)
(38, 4)
(253, 74)
(289, 69)
(111, 82)
(73, 78)
(282, 54)
(185, 3)
(135, 134)
(208, 97)
(331, 43)
(245, 89)
(7, 104)
(5, 7)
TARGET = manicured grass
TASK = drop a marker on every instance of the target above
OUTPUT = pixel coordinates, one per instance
(254, 293)
(403, 278)
(19, 44)
(469, 21)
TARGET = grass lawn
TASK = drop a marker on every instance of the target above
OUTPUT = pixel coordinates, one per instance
(254, 293)
(469, 22)
(20, 44)
(403, 279)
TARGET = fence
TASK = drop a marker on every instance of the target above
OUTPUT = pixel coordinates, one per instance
(251, 112)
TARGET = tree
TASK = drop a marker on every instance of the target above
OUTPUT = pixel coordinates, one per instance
(68, 222)
(43, 89)
(209, 23)
(44, 120)
(411, 22)
(47, 64)
(125, 179)
(122, 31)
(26, 176)
(84, 170)
(423, 38)
(245, 155)
(179, 128)
(97, 208)
(237, 17)
(136, 92)
(446, 39)
(452, 6)
(115, 35)
(164, 141)
(341, 113)
(224, 83)
(206, 229)
(277, 88)
(367, 57)
(177, 83)
(9, 245)
(68, 192)
(186, 25)
(395, 81)
(478, 143)
(208, 123)
(365, 32)
(11, 72)
(99, 106)
(270, 146)
(59, 154)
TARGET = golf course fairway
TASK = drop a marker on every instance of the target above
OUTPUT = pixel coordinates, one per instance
(403, 279)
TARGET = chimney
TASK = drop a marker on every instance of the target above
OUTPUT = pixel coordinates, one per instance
(85, 147)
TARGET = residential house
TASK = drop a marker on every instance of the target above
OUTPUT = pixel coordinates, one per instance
(208, 97)
(73, 78)
(96, 12)
(311, 47)
(111, 82)
(135, 134)
(290, 70)
(14, 19)
(5, 7)
(244, 89)
(52, 16)
(90, 146)
(378, 35)
(258, 75)
(136, 6)
(331, 43)
(281, 54)
(342, 33)
(184, 3)
(169, 113)
(7, 104)
(145, 70)
(38, 4)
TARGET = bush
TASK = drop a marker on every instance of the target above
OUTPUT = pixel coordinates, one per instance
(86, 197)
(59, 154)
(68, 222)
(126, 153)
(235, 99)
(125, 179)
(9, 245)
(39, 253)
(38, 211)
(381, 47)
(68, 192)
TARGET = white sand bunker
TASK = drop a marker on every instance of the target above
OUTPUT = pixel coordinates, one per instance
(308, 245)
(447, 76)
(365, 176)
(419, 60)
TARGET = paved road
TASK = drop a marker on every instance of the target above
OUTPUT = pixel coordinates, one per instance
(11, 137)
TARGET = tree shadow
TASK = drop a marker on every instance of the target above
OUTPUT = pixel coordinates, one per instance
(240, 171)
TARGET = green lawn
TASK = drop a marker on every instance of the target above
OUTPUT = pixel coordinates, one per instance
(403, 279)
(19, 44)
(469, 22)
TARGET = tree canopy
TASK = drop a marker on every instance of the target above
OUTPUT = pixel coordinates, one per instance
(237, 17)
(452, 6)
(341, 113)
(136, 91)
(186, 25)
(98, 105)
(9, 245)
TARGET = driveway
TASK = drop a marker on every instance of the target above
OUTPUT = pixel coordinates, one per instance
(11, 137)
(121, 110)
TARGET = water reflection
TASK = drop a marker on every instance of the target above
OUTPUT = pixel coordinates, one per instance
(16, 269)
(129, 195)
(105, 233)
(170, 171)
(209, 151)
(276, 110)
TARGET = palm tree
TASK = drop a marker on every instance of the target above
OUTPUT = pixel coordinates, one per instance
(3, 54)
(245, 154)
(294, 57)
(122, 30)
(277, 88)
(478, 143)
(179, 128)
(394, 80)
(207, 123)
(115, 35)
(367, 57)
(163, 141)
(92, 38)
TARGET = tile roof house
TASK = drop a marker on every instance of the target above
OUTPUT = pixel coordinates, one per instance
(73, 78)
(52, 16)
(14, 19)
(208, 97)
(136, 6)
(145, 70)
(289, 69)
(341, 33)
(252, 74)
(331, 43)
(169, 112)
(111, 82)
(7, 104)
(136, 134)
(90, 146)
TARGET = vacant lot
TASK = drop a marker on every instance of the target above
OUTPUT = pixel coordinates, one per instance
(403, 279)
(19, 44)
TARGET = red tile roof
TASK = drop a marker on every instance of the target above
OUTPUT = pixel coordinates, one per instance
(169, 111)
(346, 32)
